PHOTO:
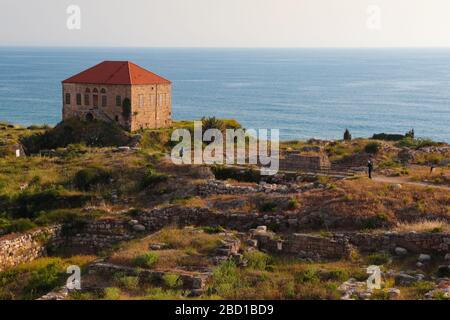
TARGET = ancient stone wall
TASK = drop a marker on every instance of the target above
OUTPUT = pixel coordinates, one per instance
(291, 161)
(16, 249)
(414, 242)
(305, 245)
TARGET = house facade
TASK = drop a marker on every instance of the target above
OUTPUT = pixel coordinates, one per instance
(119, 92)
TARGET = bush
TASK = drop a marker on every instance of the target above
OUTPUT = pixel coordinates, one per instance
(372, 148)
(268, 206)
(20, 225)
(417, 143)
(111, 293)
(43, 280)
(86, 178)
(172, 281)
(213, 230)
(305, 276)
(225, 280)
(151, 178)
(257, 260)
(378, 258)
(225, 173)
(128, 282)
(146, 260)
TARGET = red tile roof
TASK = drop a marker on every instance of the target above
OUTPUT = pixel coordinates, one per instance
(117, 72)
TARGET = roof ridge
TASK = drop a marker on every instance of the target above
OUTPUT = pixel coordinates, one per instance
(129, 72)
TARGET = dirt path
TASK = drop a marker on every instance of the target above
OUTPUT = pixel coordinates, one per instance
(403, 180)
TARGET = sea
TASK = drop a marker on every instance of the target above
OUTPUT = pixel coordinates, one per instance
(305, 93)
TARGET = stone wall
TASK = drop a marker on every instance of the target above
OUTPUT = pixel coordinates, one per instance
(304, 245)
(214, 187)
(292, 161)
(412, 241)
(16, 249)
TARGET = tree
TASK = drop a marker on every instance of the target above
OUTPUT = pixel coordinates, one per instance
(126, 108)
(347, 135)
(410, 134)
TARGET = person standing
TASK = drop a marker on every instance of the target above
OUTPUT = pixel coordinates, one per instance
(370, 168)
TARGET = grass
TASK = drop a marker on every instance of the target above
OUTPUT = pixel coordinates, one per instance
(34, 279)
(423, 226)
(185, 247)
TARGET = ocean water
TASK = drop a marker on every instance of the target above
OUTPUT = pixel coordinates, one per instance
(303, 92)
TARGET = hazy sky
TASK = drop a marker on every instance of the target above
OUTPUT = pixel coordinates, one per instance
(228, 23)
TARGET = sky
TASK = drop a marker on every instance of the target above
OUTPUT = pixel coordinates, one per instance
(226, 23)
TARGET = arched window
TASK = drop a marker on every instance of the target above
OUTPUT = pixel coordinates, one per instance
(95, 90)
(86, 99)
(88, 90)
(103, 90)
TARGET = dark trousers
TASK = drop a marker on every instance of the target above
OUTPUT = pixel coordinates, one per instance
(370, 174)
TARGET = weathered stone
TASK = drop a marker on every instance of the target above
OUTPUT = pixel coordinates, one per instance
(139, 227)
(393, 293)
(401, 251)
(424, 257)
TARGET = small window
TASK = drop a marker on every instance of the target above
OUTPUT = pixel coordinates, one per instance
(104, 101)
(118, 101)
(141, 100)
(95, 100)
(86, 99)
(88, 90)
(79, 99)
(95, 90)
(67, 98)
(103, 90)
(160, 100)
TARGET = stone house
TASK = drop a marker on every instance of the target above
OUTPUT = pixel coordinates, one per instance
(120, 92)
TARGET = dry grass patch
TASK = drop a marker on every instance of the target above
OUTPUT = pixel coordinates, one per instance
(423, 226)
(182, 248)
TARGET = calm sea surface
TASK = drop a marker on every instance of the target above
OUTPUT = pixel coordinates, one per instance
(303, 92)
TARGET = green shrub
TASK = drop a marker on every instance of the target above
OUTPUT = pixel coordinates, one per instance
(225, 280)
(86, 178)
(388, 137)
(225, 173)
(308, 275)
(146, 260)
(257, 260)
(292, 204)
(213, 229)
(43, 280)
(21, 225)
(172, 281)
(372, 148)
(378, 258)
(268, 206)
(151, 178)
(128, 282)
(111, 293)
